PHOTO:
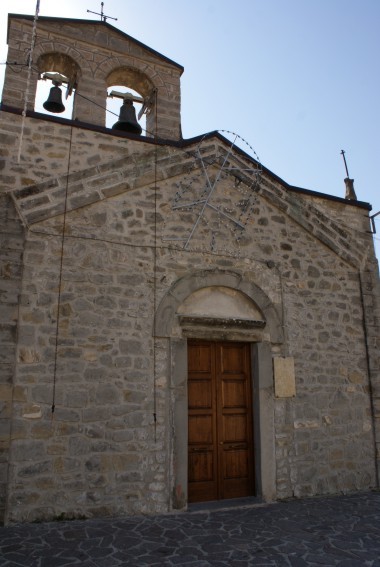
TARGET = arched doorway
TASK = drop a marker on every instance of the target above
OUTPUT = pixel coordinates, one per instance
(223, 309)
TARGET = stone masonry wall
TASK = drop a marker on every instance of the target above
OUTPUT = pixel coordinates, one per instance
(101, 451)
(106, 447)
(11, 251)
(49, 150)
(369, 289)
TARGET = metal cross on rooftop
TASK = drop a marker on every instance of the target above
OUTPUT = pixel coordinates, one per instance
(345, 163)
(103, 17)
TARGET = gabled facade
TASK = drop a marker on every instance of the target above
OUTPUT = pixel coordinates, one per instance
(177, 323)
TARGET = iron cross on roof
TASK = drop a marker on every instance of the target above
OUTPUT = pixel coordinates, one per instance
(103, 18)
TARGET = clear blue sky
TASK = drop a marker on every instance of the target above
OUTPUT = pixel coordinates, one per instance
(298, 79)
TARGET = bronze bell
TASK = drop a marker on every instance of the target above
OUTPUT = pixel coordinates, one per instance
(54, 101)
(127, 118)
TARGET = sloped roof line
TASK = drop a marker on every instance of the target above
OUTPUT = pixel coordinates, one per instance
(184, 143)
(95, 22)
(216, 133)
(86, 190)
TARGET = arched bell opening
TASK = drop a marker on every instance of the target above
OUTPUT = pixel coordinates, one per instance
(130, 102)
(56, 87)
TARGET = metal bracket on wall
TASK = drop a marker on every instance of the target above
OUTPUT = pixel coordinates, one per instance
(372, 217)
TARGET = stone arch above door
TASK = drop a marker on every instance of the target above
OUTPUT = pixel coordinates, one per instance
(173, 312)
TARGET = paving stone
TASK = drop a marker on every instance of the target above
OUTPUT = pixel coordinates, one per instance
(342, 531)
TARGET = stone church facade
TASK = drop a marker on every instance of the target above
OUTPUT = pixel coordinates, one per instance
(177, 323)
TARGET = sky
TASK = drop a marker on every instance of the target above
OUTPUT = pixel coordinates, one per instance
(299, 80)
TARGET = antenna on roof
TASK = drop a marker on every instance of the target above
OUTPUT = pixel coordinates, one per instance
(350, 191)
(103, 18)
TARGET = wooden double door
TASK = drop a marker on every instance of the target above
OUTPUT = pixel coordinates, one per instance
(220, 430)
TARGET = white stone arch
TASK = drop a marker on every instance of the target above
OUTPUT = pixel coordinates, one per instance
(110, 65)
(60, 62)
(62, 54)
(166, 319)
(56, 46)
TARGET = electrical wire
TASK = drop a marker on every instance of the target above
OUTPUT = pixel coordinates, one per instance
(31, 68)
(30, 63)
(108, 110)
(155, 281)
(11, 65)
(60, 274)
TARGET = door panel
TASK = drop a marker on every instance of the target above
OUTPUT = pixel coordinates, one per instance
(200, 428)
(201, 466)
(220, 421)
(202, 460)
(232, 357)
(234, 428)
(236, 464)
(200, 394)
(201, 361)
(234, 393)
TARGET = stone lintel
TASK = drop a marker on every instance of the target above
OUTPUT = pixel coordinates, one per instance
(220, 322)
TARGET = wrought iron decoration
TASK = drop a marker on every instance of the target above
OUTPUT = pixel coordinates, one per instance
(216, 197)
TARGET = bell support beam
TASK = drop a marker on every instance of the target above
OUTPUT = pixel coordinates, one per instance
(130, 96)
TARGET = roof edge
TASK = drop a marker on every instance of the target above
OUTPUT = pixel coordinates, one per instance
(97, 22)
(293, 188)
(181, 144)
(361, 204)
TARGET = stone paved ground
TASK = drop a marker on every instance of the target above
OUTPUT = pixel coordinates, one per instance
(342, 530)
